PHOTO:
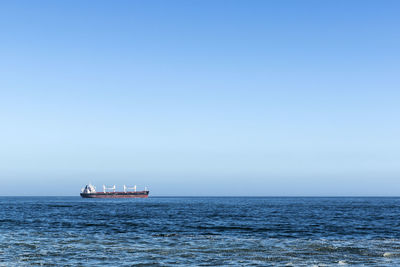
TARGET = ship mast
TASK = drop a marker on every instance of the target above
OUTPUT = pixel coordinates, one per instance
(125, 188)
(110, 188)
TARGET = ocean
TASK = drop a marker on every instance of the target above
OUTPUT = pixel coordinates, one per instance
(199, 231)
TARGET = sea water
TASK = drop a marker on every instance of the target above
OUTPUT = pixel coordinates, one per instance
(206, 231)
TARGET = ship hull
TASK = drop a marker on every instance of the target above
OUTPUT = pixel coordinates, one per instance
(139, 194)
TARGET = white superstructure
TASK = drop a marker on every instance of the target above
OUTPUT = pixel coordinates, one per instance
(89, 189)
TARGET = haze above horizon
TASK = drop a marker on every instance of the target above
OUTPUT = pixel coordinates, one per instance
(226, 98)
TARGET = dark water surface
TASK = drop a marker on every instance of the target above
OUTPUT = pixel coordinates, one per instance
(61, 231)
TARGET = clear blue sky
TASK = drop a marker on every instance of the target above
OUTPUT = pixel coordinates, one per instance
(200, 97)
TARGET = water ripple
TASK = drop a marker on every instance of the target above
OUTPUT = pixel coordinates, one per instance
(199, 231)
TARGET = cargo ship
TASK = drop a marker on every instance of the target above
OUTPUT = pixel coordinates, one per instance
(90, 192)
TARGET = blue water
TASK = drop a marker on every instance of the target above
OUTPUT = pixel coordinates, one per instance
(62, 231)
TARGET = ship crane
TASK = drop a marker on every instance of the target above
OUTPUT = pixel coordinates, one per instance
(110, 188)
(125, 188)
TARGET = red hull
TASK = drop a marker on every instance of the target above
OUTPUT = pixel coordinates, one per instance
(139, 194)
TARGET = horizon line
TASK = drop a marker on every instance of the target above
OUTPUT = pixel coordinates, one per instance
(237, 196)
